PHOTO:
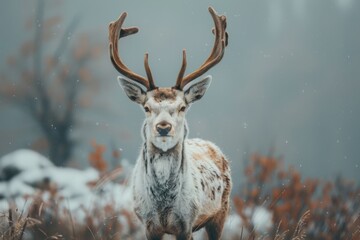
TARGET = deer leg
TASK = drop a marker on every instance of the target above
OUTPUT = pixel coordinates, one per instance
(185, 232)
(153, 233)
(215, 226)
(184, 236)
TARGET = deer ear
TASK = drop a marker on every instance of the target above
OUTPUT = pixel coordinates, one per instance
(196, 91)
(133, 91)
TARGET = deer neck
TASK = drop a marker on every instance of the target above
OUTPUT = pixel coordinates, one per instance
(164, 167)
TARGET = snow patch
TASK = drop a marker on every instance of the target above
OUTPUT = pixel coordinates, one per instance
(262, 219)
(21, 160)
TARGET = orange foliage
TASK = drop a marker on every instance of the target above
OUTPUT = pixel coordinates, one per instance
(99, 162)
(96, 157)
(334, 206)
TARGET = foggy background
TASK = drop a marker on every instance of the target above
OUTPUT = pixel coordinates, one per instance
(288, 82)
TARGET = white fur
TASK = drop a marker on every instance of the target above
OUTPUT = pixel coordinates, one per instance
(188, 194)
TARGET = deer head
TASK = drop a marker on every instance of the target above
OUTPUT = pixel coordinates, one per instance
(165, 108)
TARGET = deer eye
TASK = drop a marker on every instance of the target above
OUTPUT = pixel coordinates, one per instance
(147, 109)
(182, 109)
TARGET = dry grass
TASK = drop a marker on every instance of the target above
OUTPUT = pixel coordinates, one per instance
(15, 224)
(47, 220)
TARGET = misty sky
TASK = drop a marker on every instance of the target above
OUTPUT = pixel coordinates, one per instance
(289, 80)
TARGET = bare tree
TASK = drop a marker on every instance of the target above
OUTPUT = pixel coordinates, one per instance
(48, 86)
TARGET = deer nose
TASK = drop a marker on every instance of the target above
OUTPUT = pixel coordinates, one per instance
(163, 128)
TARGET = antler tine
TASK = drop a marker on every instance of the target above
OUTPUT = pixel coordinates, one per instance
(124, 32)
(221, 39)
(182, 71)
(148, 72)
(218, 35)
(115, 33)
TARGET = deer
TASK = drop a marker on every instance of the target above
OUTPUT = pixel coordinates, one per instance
(179, 185)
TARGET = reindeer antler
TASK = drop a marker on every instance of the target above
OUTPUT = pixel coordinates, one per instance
(115, 33)
(221, 41)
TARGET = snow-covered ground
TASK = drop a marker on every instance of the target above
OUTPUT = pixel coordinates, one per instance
(25, 173)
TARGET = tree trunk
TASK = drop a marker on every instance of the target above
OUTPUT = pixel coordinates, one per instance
(60, 148)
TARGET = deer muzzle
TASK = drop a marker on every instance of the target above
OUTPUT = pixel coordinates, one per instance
(163, 128)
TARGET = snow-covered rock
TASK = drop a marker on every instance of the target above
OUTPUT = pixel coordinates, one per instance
(17, 188)
(68, 182)
(20, 160)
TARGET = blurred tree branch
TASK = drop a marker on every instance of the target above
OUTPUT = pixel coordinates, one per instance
(47, 87)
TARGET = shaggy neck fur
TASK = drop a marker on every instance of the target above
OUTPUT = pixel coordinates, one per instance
(164, 170)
